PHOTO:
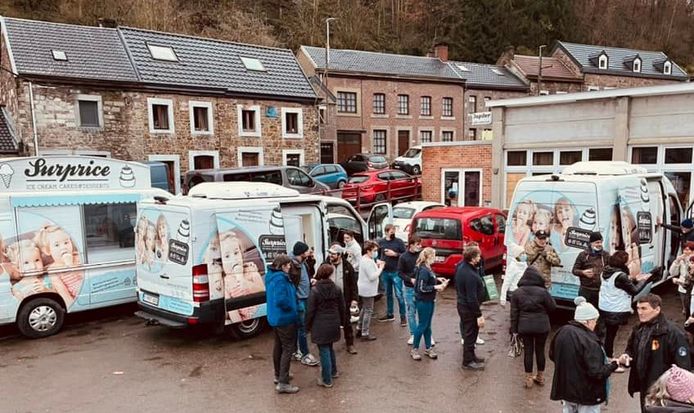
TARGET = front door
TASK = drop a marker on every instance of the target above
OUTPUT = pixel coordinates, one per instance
(326, 153)
(348, 144)
(460, 187)
(403, 141)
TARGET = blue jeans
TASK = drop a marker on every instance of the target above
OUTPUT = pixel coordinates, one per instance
(328, 366)
(425, 313)
(301, 328)
(411, 310)
(391, 281)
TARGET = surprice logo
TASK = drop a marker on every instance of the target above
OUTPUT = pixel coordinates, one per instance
(39, 168)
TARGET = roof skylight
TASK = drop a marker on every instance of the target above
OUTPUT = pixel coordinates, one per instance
(59, 55)
(252, 63)
(463, 68)
(165, 53)
(497, 71)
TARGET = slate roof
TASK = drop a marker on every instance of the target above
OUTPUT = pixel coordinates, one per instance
(552, 68)
(581, 54)
(216, 64)
(479, 75)
(359, 61)
(92, 52)
(8, 136)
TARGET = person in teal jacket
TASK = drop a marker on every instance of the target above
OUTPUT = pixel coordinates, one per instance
(282, 315)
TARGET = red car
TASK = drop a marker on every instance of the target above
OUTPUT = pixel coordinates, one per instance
(380, 185)
(449, 229)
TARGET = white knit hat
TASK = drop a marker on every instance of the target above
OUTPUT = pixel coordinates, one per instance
(584, 310)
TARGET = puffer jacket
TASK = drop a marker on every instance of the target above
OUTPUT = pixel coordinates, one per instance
(590, 259)
(326, 312)
(543, 262)
(531, 304)
(280, 294)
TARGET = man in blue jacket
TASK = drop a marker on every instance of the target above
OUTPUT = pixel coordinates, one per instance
(282, 315)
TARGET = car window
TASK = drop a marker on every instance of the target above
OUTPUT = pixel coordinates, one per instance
(377, 159)
(330, 169)
(501, 223)
(273, 177)
(440, 228)
(486, 225)
(297, 177)
(385, 176)
(357, 179)
(403, 213)
(398, 175)
(357, 158)
(431, 207)
(318, 171)
(236, 177)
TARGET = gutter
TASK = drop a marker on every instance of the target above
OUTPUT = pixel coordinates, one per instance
(33, 119)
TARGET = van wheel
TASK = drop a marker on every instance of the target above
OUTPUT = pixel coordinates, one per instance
(41, 317)
(249, 328)
(416, 170)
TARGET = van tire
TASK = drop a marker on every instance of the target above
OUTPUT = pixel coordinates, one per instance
(40, 317)
(416, 170)
(249, 328)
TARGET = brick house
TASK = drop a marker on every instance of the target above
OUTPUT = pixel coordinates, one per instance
(142, 95)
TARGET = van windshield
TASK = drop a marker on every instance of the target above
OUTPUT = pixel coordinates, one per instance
(412, 153)
(440, 228)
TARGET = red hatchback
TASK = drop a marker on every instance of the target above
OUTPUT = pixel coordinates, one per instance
(381, 185)
(449, 229)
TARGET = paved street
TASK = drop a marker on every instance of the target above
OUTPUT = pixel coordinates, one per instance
(112, 362)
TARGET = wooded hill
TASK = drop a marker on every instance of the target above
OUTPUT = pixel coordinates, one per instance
(476, 30)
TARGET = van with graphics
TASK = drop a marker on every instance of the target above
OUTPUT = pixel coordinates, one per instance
(67, 240)
(223, 237)
(625, 203)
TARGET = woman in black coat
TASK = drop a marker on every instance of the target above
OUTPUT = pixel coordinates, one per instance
(530, 305)
(326, 313)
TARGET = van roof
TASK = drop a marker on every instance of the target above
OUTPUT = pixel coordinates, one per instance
(457, 212)
(598, 168)
(237, 170)
(240, 190)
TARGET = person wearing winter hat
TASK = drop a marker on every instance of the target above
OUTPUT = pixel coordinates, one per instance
(580, 371)
(542, 256)
(673, 392)
(685, 231)
(588, 268)
(300, 255)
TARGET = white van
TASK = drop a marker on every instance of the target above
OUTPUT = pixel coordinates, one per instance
(621, 201)
(66, 237)
(222, 238)
(410, 161)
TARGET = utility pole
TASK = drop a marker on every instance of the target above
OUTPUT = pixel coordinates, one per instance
(539, 72)
(327, 64)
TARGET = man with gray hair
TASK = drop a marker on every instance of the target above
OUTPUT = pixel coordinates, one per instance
(580, 371)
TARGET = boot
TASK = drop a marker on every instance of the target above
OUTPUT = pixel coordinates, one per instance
(528, 380)
(539, 378)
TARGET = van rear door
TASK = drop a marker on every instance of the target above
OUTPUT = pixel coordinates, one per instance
(381, 215)
(637, 226)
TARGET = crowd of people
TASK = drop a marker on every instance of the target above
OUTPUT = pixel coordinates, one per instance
(321, 302)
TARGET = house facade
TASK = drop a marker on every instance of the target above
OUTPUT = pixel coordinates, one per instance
(141, 95)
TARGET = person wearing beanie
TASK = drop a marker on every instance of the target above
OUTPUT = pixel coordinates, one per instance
(300, 257)
(685, 231)
(681, 269)
(653, 346)
(588, 268)
(673, 392)
(580, 371)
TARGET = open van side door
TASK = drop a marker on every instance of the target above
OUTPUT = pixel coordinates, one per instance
(637, 224)
(380, 215)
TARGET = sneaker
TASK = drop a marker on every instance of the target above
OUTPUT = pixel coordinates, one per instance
(358, 333)
(620, 369)
(431, 353)
(474, 366)
(414, 353)
(354, 319)
(479, 359)
(309, 360)
(351, 350)
(286, 388)
(410, 340)
(324, 384)
(479, 341)
(387, 318)
(403, 322)
(368, 337)
(297, 356)
(462, 342)
(336, 374)
(433, 343)
(277, 379)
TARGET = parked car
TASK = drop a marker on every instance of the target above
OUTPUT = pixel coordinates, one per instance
(404, 212)
(160, 176)
(331, 174)
(362, 162)
(410, 161)
(287, 176)
(379, 185)
(449, 229)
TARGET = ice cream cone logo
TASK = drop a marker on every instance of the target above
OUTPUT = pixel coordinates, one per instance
(587, 220)
(127, 177)
(276, 222)
(6, 173)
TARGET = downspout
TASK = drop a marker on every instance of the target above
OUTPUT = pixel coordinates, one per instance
(33, 120)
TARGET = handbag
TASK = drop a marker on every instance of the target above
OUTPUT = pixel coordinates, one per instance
(490, 286)
(516, 346)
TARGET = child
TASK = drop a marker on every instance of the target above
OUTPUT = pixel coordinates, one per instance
(56, 243)
(213, 259)
(234, 281)
(162, 239)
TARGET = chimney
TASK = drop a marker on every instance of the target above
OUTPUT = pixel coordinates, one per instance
(430, 53)
(441, 51)
(507, 56)
(110, 23)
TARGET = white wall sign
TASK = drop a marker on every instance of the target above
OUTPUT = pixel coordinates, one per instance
(481, 118)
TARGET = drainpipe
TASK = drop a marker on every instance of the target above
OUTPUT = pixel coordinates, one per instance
(33, 120)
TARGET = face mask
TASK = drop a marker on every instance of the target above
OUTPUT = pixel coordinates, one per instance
(374, 254)
(418, 250)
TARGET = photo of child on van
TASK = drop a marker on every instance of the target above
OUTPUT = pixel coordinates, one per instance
(213, 258)
(161, 247)
(140, 233)
(565, 216)
(542, 220)
(148, 256)
(521, 221)
(57, 244)
(629, 242)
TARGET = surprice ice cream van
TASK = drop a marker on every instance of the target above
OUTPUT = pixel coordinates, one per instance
(67, 237)
(621, 201)
(222, 238)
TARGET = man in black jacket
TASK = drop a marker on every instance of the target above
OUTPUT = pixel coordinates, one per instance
(470, 292)
(346, 280)
(588, 267)
(654, 346)
(406, 266)
(580, 371)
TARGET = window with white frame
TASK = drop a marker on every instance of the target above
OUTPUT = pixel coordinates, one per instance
(292, 123)
(248, 120)
(379, 141)
(637, 66)
(379, 104)
(447, 136)
(447, 107)
(89, 111)
(201, 122)
(250, 156)
(602, 62)
(667, 68)
(403, 104)
(160, 115)
(426, 136)
(425, 109)
(165, 53)
(293, 157)
(600, 154)
(472, 104)
(472, 134)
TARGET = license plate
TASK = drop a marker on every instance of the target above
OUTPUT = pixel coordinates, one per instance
(439, 259)
(150, 299)
(397, 166)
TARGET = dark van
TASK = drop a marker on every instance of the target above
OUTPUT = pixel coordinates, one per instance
(160, 176)
(287, 176)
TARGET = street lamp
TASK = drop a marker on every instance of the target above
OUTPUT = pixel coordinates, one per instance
(539, 73)
(327, 64)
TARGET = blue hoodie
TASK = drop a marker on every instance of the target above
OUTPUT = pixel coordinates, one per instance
(280, 294)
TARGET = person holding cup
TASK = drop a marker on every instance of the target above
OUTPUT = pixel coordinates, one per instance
(426, 286)
(367, 284)
(346, 280)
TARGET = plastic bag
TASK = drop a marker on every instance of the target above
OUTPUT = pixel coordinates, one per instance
(514, 272)
(516, 346)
